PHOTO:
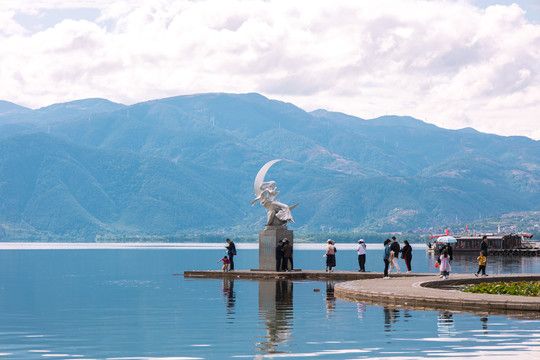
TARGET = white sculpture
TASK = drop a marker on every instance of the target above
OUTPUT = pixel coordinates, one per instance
(265, 193)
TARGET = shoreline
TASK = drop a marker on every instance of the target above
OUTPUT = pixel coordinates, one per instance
(40, 245)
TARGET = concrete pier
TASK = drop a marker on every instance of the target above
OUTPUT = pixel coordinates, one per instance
(257, 274)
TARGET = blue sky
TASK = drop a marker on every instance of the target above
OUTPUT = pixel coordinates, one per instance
(531, 7)
(453, 63)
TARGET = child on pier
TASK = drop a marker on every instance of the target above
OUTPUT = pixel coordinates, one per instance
(445, 265)
(481, 264)
(226, 263)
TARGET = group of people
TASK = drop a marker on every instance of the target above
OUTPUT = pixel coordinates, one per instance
(392, 249)
(284, 255)
(228, 260)
(331, 250)
(447, 256)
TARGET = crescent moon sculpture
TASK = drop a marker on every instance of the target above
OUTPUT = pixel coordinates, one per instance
(265, 193)
(259, 179)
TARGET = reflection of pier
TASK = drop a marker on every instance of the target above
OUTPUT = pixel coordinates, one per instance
(230, 298)
(434, 293)
(330, 298)
(276, 313)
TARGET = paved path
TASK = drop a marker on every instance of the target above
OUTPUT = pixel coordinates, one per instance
(429, 292)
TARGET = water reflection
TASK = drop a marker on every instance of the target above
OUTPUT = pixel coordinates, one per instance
(125, 304)
(361, 308)
(391, 316)
(283, 334)
(484, 321)
(276, 315)
(230, 297)
(330, 298)
(445, 324)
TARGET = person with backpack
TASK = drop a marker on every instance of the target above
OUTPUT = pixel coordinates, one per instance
(330, 255)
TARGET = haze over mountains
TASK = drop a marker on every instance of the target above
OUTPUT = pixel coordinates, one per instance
(186, 165)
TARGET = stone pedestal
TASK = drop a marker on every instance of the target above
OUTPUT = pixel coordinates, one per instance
(268, 239)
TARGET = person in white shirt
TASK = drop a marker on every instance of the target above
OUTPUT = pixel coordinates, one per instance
(361, 250)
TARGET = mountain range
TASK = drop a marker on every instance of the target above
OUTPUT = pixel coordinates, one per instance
(186, 165)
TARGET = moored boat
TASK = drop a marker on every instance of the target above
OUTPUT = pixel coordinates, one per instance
(498, 244)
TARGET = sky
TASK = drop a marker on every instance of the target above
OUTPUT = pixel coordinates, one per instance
(452, 63)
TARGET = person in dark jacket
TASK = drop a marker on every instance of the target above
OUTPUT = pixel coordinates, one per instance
(394, 247)
(406, 253)
(279, 255)
(449, 250)
(484, 245)
(231, 252)
(287, 255)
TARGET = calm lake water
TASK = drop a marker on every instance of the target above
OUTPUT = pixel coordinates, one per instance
(127, 304)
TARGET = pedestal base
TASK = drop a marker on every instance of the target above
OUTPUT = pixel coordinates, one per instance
(268, 239)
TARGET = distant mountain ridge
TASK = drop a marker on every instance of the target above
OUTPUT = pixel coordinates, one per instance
(7, 107)
(186, 164)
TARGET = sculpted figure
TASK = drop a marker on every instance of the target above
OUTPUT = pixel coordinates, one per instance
(265, 193)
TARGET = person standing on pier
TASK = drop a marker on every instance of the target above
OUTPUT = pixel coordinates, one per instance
(330, 255)
(287, 255)
(394, 247)
(406, 253)
(361, 250)
(231, 252)
(484, 245)
(279, 255)
(445, 267)
(387, 252)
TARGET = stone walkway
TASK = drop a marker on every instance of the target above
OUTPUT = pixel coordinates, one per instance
(430, 292)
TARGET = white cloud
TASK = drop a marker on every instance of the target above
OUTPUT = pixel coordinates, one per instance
(447, 62)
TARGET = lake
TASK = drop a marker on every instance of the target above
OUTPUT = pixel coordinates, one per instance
(123, 302)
